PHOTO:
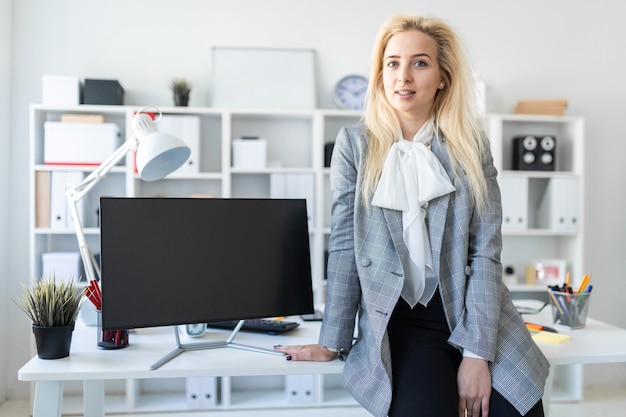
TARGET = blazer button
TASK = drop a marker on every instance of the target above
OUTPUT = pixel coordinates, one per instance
(468, 270)
(366, 262)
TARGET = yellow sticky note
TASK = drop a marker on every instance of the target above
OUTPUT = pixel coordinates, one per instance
(549, 337)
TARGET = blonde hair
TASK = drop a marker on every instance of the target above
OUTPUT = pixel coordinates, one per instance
(454, 108)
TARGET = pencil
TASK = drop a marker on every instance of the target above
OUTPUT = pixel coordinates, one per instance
(556, 303)
(583, 284)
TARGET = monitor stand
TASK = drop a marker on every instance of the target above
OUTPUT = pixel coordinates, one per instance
(180, 347)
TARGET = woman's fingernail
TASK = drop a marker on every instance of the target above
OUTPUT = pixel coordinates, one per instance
(288, 357)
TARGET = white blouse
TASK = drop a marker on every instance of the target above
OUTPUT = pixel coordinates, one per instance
(411, 177)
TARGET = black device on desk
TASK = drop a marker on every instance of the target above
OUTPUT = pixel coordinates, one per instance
(268, 326)
(181, 261)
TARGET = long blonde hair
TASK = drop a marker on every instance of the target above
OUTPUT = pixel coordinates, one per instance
(454, 108)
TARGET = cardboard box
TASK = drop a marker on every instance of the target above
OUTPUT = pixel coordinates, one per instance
(103, 92)
(60, 89)
(79, 143)
(249, 153)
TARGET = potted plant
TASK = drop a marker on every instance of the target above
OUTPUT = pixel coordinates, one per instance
(53, 306)
(180, 89)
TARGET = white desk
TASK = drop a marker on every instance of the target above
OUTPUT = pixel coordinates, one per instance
(597, 343)
(93, 366)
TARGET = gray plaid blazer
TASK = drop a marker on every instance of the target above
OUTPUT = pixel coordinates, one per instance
(365, 274)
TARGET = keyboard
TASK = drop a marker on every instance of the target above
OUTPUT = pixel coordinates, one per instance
(258, 325)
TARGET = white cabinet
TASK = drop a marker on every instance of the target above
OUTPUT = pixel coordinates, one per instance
(542, 211)
(294, 167)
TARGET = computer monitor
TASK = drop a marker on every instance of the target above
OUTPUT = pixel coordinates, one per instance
(173, 261)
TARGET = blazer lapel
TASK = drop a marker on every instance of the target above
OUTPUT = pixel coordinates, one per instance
(393, 219)
(438, 208)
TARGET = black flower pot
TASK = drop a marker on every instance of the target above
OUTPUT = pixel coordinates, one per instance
(53, 342)
(181, 100)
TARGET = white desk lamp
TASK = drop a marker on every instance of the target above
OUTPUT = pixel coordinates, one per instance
(158, 154)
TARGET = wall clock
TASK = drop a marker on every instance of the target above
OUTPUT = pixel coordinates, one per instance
(350, 92)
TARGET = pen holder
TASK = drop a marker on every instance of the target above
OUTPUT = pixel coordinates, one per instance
(570, 309)
(110, 339)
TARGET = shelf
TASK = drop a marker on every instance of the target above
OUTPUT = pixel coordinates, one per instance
(539, 174)
(47, 231)
(77, 168)
(538, 233)
(295, 145)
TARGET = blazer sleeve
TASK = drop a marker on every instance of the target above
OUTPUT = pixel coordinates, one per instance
(483, 296)
(342, 289)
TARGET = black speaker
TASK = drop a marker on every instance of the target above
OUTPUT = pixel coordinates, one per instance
(534, 152)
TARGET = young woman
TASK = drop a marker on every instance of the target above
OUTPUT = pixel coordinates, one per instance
(415, 245)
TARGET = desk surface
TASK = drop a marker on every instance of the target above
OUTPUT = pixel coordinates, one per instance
(147, 346)
(598, 342)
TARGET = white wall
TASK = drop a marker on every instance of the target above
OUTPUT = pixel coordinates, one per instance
(524, 50)
(5, 146)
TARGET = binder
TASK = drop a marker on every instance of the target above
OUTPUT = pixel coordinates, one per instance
(300, 389)
(57, 200)
(201, 392)
(187, 129)
(60, 214)
(42, 199)
(295, 186)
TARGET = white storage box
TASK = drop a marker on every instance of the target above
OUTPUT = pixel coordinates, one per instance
(249, 153)
(79, 143)
(60, 89)
(65, 266)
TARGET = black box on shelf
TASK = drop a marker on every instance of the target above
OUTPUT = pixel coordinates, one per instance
(103, 92)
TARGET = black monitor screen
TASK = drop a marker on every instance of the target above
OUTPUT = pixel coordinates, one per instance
(172, 261)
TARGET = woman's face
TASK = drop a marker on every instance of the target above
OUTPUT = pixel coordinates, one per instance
(411, 75)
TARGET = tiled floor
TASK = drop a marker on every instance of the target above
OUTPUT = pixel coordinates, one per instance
(597, 402)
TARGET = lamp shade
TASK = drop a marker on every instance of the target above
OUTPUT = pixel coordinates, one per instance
(158, 153)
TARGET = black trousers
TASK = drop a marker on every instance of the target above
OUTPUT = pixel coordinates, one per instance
(425, 366)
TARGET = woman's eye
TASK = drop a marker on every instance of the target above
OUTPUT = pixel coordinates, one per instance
(392, 64)
(420, 64)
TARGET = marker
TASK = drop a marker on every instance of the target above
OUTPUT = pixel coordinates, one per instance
(539, 327)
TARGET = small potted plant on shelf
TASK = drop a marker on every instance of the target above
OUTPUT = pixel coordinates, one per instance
(180, 89)
(53, 306)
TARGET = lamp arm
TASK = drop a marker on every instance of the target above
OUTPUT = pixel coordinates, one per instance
(79, 191)
(75, 193)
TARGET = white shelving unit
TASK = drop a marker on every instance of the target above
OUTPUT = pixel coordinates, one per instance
(295, 145)
(542, 210)
(543, 214)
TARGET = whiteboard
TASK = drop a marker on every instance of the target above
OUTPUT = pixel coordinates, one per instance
(264, 78)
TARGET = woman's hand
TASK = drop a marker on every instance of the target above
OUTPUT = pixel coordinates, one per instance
(474, 383)
(313, 352)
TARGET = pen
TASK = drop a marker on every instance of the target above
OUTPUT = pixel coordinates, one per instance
(539, 327)
(583, 284)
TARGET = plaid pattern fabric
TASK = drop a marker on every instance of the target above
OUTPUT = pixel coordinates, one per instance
(365, 274)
